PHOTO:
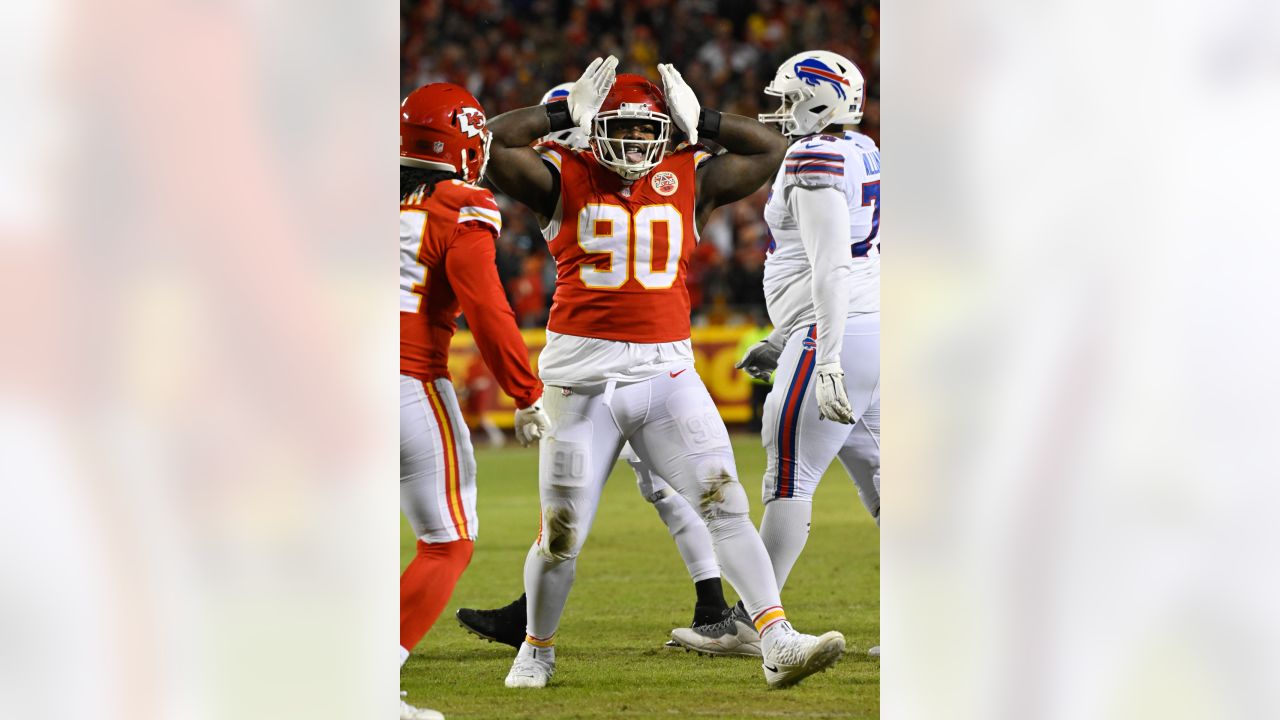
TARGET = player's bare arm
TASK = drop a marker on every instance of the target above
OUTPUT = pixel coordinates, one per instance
(753, 154)
(516, 168)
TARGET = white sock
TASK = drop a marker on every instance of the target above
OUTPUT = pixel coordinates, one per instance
(545, 654)
(547, 586)
(744, 562)
(691, 535)
(772, 633)
(404, 655)
(784, 530)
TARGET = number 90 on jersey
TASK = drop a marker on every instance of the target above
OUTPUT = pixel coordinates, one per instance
(653, 259)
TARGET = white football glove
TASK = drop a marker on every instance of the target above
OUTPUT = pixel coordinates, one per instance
(532, 423)
(760, 360)
(833, 402)
(588, 93)
(681, 101)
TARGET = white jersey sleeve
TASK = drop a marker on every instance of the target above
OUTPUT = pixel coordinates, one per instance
(813, 165)
(820, 214)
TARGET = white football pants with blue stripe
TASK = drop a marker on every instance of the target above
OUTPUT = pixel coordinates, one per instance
(800, 445)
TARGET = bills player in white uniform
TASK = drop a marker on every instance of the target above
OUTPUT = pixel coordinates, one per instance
(507, 624)
(822, 290)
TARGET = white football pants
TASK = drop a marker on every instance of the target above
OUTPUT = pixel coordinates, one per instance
(674, 427)
(799, 444)
(437, 464)
(685, 525)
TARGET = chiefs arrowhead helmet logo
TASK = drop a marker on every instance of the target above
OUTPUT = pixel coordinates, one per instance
(471, 121)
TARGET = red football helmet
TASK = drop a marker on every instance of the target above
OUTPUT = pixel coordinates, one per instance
(442, 127)
(631, 98)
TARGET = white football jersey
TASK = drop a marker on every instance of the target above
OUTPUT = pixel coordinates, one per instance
(849, 162)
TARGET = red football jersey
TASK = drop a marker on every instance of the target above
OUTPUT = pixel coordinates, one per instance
(622, 251)
(447, 263)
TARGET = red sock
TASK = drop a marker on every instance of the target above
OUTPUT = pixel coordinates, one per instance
(427, 584)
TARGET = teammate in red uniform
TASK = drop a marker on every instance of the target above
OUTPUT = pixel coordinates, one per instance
(621, 222)
(447, 232)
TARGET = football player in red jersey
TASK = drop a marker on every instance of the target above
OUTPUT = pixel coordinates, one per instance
(621, 222)
(730, 635)
(447, 232)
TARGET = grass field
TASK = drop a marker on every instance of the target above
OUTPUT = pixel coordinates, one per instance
(631, 589)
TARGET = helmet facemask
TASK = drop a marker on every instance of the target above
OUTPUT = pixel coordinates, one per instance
(484, 161)
(784, 117)
(475, 159)
(630, 158)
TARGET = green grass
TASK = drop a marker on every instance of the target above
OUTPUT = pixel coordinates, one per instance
(631, 589)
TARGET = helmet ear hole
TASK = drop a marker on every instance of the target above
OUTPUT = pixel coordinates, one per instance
(818, 109)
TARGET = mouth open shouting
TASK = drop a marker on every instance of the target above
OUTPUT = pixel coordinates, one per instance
(633, 152)
(631, 146)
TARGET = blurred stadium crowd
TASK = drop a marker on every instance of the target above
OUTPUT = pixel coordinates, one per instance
(508, 54)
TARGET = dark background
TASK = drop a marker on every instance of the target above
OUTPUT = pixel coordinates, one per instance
(508, 54)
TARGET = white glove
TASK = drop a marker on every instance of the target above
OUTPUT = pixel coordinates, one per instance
(760, 360)
(681, 101)
(588, 93)
(833, 402)
(531, 423)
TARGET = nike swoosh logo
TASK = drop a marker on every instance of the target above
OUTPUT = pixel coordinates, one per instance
(770, 668)
(810, 147)
(675, 374)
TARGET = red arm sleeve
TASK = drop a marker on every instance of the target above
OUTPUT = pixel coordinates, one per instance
(473, 273)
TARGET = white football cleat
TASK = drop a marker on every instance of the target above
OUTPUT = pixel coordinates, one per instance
(409, 712)
(533, 667)
(733, 635)
(795, 656)
(874, 652)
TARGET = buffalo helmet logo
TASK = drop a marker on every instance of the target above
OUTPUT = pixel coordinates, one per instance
(813, 71)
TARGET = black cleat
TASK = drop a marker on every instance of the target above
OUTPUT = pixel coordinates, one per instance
(504, 625)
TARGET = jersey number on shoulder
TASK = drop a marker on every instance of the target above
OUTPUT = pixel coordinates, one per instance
(658, 231)
(870, 196)
(413, 274)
